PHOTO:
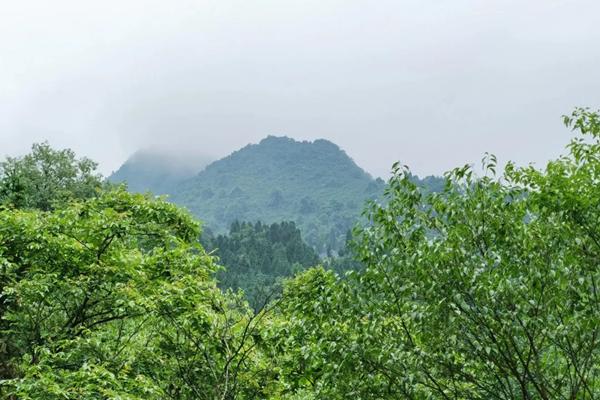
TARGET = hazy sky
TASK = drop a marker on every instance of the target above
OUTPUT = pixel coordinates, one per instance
(432, 83)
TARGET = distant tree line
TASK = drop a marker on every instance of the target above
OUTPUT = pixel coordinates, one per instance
(256, 257)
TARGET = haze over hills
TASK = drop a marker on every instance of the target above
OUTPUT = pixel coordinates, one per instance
(315, 184)
(159, 172)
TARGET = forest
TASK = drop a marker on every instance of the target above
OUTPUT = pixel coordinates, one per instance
(485, 287)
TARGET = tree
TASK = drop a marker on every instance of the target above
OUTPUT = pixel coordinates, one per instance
(485, 290)
(113, 297)
(257, 256)
(46, 178)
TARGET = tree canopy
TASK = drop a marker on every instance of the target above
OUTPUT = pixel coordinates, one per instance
(488, 289)
(113, 297)
(46, 178)
(257, 256)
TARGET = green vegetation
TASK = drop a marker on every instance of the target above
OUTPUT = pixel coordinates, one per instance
(47, 178)
(257, 257)
(114, 298)
(485, 289)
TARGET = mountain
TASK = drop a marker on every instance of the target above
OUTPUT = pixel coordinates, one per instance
(156, 171)
(315, 184)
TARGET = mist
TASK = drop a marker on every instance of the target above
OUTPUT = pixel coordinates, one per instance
(433, 84)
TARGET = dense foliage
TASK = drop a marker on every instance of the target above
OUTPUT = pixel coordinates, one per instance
(257, 256)
(486, 290)
(114, 298)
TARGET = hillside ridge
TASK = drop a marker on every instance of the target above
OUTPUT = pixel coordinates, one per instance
(313, 183)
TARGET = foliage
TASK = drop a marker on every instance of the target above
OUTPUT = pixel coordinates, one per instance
(46, 178)
(345, 259)
(113, 297)
(257, 256)
(488, 289)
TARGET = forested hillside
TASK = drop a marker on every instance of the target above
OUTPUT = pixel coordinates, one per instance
(257, 257)
(314, 184)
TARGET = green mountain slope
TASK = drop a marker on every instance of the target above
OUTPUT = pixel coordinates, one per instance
(315, 184)
(157, 172)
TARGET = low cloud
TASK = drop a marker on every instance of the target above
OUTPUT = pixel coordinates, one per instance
(433, 84)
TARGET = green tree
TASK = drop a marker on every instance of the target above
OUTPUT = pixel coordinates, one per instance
(485, 290)
(46, 178)
(113, 297)
(257, 256)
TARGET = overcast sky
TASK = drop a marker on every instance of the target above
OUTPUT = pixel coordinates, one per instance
(432, 83)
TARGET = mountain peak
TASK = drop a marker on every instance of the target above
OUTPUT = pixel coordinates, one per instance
(272, 139)
(286, 140)
(313, 183)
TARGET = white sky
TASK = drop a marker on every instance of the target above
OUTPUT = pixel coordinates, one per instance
(432, 83)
